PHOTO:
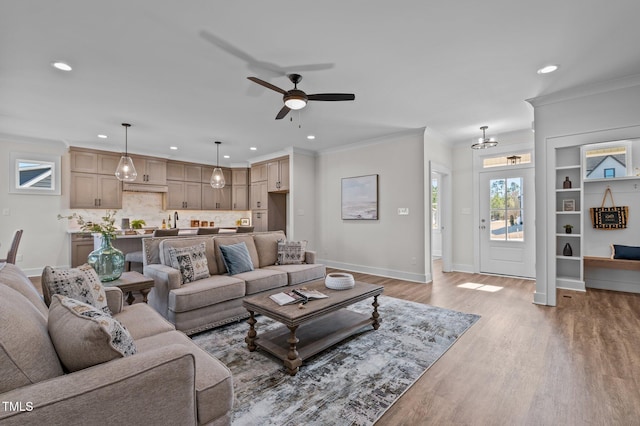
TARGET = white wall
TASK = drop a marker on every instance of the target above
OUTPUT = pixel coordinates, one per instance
(44, 241)
(589, 114)
(301, 206)
(393, 245)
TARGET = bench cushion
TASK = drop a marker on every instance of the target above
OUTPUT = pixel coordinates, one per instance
(625, 252)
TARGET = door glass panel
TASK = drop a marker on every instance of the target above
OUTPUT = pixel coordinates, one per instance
(505, 202)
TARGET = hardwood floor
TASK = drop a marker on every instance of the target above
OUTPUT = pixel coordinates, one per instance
(525, 364)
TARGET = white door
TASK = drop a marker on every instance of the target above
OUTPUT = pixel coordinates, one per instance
(507, 245)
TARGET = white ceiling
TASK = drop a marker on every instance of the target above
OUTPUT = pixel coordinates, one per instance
(451, 66)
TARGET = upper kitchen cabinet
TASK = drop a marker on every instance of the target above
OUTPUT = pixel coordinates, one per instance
(216, 199)
(89, 161)
(278, 175)
(258, 172)
(208, 171)
(240, 176)
(183, 195)
(94, 191)
(184, 171)
(151, 171)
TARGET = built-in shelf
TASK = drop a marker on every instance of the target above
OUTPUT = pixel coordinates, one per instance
(570, 167)
(571, 212)
(563, 234)
(617, 179)
(569, 190)
(569, 257)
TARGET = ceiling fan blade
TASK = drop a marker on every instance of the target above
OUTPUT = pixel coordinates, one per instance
(283, 112)
(308, 67)
(268, 85)
(332, 97)
(227, 47)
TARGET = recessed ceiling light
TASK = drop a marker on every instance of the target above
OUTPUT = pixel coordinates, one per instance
(226, 156)
(62, 66)
(547, 69)
(174, 148)
(253, 148)
(101, 136)
(311, 137)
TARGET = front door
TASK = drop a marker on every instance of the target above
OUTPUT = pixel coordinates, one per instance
(507, 245)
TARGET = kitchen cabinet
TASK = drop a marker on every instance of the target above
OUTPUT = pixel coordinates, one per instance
(208, 171)
(85, 161)
(258, 172)
(151, 171)
(216, 199)
(90, 191)
(81, 246)
(240, 176)
(183, 196)
(184, 171)
(259, 196)
(240, 197)
(278, 175)
(260, 220)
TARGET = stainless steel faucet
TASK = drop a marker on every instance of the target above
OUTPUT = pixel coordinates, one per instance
(175, 219)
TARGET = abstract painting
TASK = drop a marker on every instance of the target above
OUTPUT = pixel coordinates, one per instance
(360, 198)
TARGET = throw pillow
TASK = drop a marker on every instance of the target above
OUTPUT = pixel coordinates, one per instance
(85, 336)
(190, 261)
(625, 252)
(236, 258)
(81, 283)
(291, 252)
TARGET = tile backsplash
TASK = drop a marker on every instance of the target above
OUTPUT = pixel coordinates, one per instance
(148, 206)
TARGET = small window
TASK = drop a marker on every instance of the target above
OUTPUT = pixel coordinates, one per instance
(507, 160)
(609, 173)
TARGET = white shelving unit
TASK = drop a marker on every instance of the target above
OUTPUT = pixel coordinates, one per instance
(569, 270)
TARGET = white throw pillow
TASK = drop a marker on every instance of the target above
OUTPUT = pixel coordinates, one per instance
(81, 283)
(291, 252)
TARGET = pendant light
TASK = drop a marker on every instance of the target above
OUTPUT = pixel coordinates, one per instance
(217, 177)
(125, 171)
(484, 142)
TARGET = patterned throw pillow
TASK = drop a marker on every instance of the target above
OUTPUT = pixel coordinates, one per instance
(81, 283)
(190, 261)
(291, 252)
(236, 258)
(85, 336)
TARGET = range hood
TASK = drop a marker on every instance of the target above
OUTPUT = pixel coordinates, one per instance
(141, 187)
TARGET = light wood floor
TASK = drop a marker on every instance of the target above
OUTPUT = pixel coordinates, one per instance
(524, 364)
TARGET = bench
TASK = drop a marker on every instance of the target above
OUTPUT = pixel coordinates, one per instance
(607, 262)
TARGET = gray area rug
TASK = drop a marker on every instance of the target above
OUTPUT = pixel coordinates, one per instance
(352, 383)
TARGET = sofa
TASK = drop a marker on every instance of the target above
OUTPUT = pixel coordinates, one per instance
(169, 380)
(217, 299)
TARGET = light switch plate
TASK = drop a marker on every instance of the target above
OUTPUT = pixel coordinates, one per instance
(403, 211)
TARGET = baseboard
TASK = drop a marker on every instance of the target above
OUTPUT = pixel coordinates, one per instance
(389, 273)
(37, 272)
(462, 267)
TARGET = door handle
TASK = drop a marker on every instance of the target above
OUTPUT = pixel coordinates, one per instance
(483, 227)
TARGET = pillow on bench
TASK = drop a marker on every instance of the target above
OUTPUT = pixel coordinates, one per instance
(625, 252)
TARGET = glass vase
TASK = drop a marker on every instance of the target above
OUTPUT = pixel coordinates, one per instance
(107, 261)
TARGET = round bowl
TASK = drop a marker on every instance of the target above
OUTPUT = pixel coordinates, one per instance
(339, 281)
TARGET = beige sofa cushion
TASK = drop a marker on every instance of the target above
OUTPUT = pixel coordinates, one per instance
(205, 292)
(224, 240)
(267, 247)
(81, 283)
(262, 279)
(26, 353)
(214, 384)
(85, 336)
(141, 320)
(181, 242)
(13, 277)
(298, 274)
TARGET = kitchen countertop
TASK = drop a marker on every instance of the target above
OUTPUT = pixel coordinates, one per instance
(183, 231)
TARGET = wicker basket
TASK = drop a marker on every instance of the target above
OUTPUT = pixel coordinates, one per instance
(339, 281)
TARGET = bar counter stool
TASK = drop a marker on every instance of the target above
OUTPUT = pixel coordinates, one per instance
(136, 256)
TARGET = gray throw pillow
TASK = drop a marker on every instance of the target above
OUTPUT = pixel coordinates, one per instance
(85, 336)
(190, 261)
(236, 258)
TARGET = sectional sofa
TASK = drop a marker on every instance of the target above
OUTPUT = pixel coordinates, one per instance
(217, 298)
(169, 381)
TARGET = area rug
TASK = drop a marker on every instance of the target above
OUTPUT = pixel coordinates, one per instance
(352, 383)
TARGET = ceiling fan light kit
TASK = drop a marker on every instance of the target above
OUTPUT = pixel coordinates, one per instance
(126, 171)
(296, 99)
(217, 177)
(484, 142)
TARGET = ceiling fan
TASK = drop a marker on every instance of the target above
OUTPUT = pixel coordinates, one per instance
(297, 99)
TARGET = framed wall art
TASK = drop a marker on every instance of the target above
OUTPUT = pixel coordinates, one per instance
(360, 198)
(568, 205)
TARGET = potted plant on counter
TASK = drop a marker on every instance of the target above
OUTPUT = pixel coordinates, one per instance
(107, 260)
(568, 228)
(137, 223)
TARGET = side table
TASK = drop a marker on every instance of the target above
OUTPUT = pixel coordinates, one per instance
(130, 282)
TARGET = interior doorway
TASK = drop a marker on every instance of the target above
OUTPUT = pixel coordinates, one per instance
(440, 215)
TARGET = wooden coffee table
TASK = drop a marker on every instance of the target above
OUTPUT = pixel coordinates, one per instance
(130, 282)
(320, 324)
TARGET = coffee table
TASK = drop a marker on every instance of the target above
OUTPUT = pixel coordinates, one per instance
(130, 282)
(319, 325)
